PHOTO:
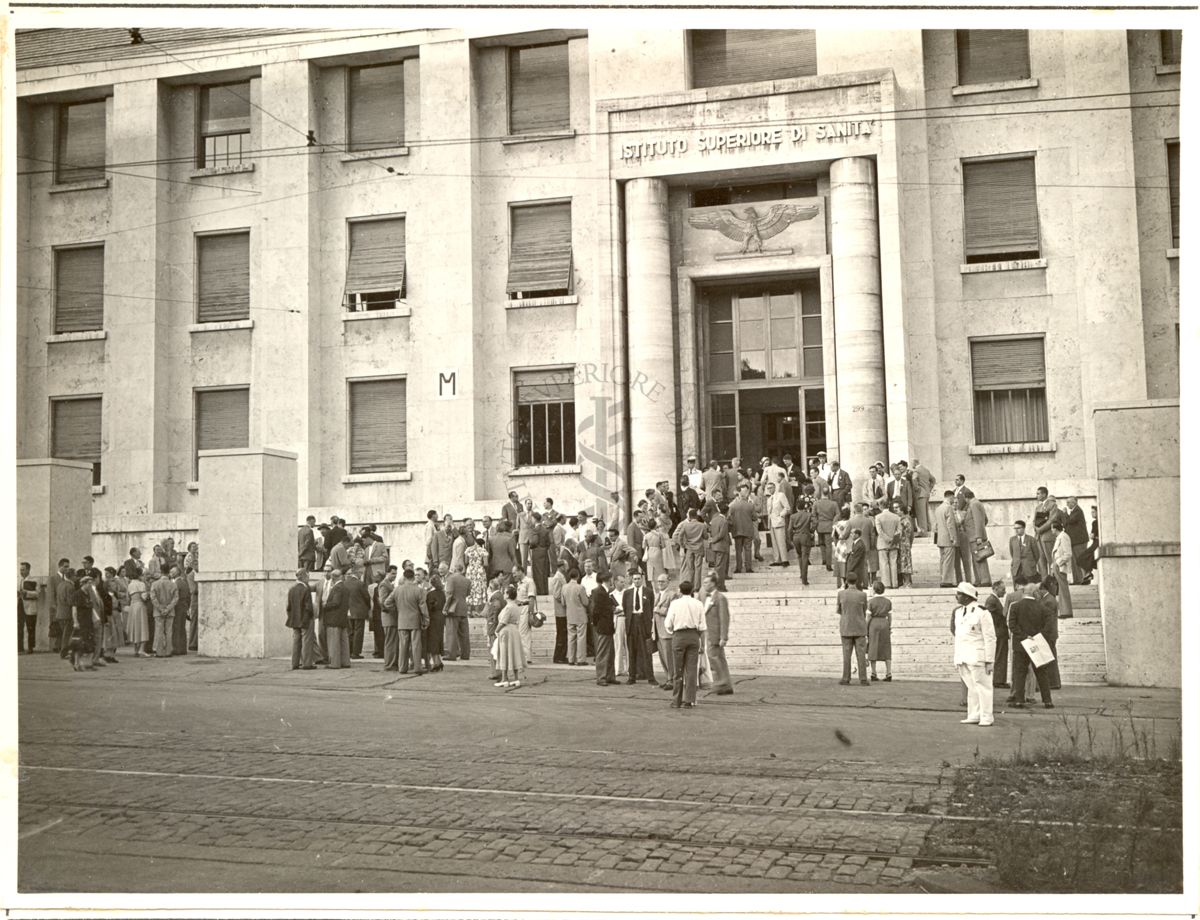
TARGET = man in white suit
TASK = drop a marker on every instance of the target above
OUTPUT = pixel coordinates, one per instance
(974, 653)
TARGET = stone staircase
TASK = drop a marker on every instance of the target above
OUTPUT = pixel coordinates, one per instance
(782, 627)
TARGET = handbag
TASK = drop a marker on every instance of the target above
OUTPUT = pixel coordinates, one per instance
(984, 550)
(537, 619)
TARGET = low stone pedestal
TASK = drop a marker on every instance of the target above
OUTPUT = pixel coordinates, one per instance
(247, 541)
(1137, 460)
(54, 519)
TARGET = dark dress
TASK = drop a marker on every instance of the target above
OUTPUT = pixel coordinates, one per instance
(539, 546)
(179, 626)
(435, 632)
(879, 628)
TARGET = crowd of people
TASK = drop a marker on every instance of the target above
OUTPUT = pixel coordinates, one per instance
(621, 596)
(151, 607)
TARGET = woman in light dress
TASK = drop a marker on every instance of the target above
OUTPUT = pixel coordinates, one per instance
(510, 656)
(670, 553)
(139, 617)
(841, 546)
(477, 560)
(655, 549)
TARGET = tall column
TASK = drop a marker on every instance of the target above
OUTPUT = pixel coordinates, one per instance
(652, 344)
(137, 407)
(857, 315)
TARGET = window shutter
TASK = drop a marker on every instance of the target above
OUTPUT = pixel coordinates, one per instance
(376, 256)
(75, 429)
(225, 109)
(375, 107)
(81, 141)
(1008, 363)
(539, 92)
(79, 289)
(556, 385)
(222, 419)
(1171, 43)
(378, 426)
(1000, 201)
(721, 57)
(540, 256)
(992, 55)
(224, 271)
(1173, 186)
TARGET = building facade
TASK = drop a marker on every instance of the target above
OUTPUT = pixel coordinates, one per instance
(440, 265)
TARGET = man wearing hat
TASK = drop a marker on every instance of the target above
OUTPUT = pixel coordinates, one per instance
(693, 474)
(974, 653)
(823, 466)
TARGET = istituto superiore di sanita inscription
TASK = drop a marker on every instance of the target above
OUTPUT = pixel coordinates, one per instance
(770, 137)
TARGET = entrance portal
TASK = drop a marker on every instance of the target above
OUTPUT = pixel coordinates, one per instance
(765, 370)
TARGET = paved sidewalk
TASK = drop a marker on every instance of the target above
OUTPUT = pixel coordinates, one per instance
(245, 776)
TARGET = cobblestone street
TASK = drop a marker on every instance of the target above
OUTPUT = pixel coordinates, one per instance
(226, 776)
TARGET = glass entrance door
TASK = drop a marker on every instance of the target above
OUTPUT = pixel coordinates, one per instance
(764, 348)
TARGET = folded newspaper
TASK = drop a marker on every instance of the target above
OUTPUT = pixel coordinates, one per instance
(1038, 650)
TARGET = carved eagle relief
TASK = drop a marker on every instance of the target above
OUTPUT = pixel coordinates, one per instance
(751, 229)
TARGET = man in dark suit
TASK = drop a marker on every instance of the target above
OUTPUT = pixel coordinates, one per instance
(300, 616)
(1026, 620)
(743, 523)
(336, 534)
(994, 604)
(800, 531)
(825, 510)
(1023, 553)
(716, 622)
(638, 603)
(334, 620)
(840, 484)
(358, 608)
(1076, 527)
(512, 510)
(718, 546)
(600, 612)
(306, 544)
(688, 499)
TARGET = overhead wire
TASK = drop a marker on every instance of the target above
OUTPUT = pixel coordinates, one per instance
(925, 113)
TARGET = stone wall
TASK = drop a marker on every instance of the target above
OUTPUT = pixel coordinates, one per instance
(1138, 473)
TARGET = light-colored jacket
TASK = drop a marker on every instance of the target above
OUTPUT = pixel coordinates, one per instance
(887, 526)
(974, 635)
(164, 595)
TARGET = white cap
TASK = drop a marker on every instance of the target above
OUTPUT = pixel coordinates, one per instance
(968, 590)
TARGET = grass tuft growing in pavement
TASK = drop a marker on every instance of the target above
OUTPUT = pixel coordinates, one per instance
(1077, 813)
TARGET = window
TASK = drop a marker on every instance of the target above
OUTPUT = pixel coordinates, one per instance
(224, 132)
(1173, 186)
(223, 273)
(724, 425)
(814, 421)
(765, 332)
(992, 55)
(1000, 209)
(222, 421)
(539, 89)
(375, 272)
(545, 403)
(375, 107)
(539, 256)
(80, 142)
(1008, 377)
(75, 431)
(378, 426)
(1171, 45)
(78, 289)
(721, 57)
(749, 194)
